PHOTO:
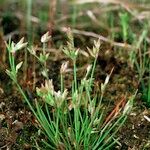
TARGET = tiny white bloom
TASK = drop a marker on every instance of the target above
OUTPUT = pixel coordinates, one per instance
(18, 66)
(60, 97)
(64, 67)
(88, 69)
(128, 107)
(107, 80)
(97, 44)
(12, 48)
(76, 52)
(49, 85)
(18, 46)
(45, 38)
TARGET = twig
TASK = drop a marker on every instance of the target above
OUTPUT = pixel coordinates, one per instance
(115, 111)
(98, 36)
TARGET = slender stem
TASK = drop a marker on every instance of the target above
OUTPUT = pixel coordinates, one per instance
(26, 99)
(29, 34)
(34, 74)
(44, 48)
(62, 83)
(74, 16)
(29, 26)
(77, 125)
(13, 63)
(44, 54)
(57, 124)
(75, 74)
(92, 73)
(44, 65)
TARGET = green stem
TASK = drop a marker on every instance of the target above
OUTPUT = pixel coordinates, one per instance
(92, 73)
(62, 83)
(74, 16)
(29, 13)
(57, 125)
(26, 99)
(75, 74)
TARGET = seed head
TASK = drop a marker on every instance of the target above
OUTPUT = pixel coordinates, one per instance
(45, 38)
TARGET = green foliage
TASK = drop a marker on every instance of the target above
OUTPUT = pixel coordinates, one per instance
(142, 62)
(145, 89)
(124, 21)
(138, 56)
(71, 119)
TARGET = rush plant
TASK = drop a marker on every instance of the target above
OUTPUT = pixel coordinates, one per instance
(70, 119)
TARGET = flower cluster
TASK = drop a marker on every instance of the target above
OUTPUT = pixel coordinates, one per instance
(49, 95)
(13, 47)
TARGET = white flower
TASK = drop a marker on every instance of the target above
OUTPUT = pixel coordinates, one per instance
(128, 107)
(18, 66)
(45, 38)
(49, 86)
(15, 47)
(88, 69)
(97, 44)
(103, 85)
(129, 104)
(64, 67)
(46, 92)
(94, 52)
(107, 80)
(60, 97)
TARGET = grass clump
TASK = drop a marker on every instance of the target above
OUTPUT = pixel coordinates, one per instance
(70, 119)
